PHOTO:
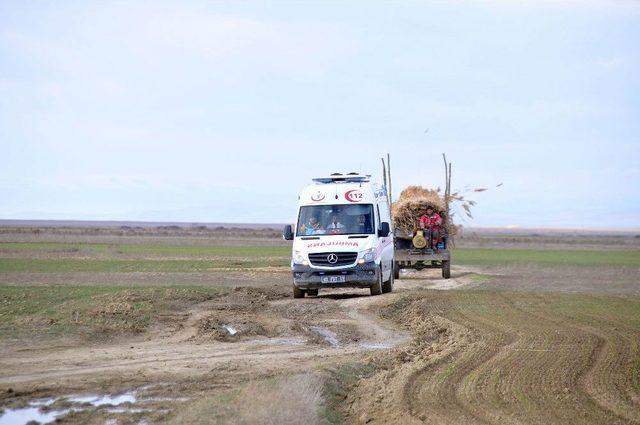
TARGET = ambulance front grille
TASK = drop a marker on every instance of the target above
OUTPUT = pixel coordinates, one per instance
(333, 259)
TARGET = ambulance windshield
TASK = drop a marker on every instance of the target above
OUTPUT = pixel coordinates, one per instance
(335, 220)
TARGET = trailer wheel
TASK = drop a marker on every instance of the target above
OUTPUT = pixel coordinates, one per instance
(297, 292)
(312, 292)
(396, 270)
(446, 269)
(388, 285)
(376, 288)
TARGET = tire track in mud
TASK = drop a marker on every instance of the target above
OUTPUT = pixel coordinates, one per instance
(509, 360)
(609, 360)
(451, 393)
(583, 382)
(611, 351)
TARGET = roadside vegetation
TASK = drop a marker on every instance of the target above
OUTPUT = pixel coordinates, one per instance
(288, 399)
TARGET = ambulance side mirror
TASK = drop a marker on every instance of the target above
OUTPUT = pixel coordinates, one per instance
(287, 233)
(384, 229)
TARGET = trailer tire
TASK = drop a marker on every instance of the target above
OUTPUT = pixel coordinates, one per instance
(446, 269)
(312, 292)
(388, 285)
(297, 292)
(376, 288)
(396, 270)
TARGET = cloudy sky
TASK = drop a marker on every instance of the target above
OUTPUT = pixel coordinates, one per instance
(222, 111)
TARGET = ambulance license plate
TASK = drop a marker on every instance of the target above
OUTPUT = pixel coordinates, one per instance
(332, 279)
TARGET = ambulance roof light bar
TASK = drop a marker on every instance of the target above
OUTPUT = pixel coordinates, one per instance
(343, 178)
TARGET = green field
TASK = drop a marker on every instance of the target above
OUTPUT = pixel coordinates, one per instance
(39, 265)
(64, 309)
(125, 258)
(147, 249)
(480, 256)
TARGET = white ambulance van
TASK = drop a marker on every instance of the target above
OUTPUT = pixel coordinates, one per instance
(343, 236)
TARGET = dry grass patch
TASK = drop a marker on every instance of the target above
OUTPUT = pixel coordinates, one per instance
(295, 399)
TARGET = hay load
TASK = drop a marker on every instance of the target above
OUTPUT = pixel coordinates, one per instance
(412, 203)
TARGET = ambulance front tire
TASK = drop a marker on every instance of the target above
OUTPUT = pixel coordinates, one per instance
(376, 288)
(388, 285)
(297, 292)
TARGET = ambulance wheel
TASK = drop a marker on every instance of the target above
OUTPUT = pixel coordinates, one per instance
(297, 292)
(446, 269)
(388, 285)
(312, 292)
(396, 270)
(376, 288)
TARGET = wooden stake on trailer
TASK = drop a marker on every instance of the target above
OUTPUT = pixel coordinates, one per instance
(447, 167)
(384, 173)
(449, 182)
(389, 172)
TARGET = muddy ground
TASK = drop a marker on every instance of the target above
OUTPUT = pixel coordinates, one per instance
(495, 344)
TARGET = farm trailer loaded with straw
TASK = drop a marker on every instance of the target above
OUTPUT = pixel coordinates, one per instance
(414, 248)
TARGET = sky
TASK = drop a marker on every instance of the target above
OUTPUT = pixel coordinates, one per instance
(222, 111)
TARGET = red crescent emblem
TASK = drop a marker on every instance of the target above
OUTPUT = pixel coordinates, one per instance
(353, 196)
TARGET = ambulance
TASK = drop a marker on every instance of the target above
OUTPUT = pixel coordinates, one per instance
(343, 236)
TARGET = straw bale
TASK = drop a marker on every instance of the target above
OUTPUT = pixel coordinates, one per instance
(412, 203)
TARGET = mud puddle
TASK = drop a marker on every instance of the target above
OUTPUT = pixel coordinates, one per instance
(49, 410)
(327, 335)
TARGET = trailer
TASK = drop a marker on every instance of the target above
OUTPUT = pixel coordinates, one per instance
(413, 250)
(410, 256)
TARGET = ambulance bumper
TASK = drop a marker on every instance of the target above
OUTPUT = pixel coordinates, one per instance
(357, 276)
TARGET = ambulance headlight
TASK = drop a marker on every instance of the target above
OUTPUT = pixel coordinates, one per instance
(298, 258)
(368, 255)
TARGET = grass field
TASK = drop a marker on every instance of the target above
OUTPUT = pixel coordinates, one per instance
(40, 265)
(486, 256)
(146, 249)
(77, 257)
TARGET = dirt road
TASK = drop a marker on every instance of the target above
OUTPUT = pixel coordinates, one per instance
(248, 334)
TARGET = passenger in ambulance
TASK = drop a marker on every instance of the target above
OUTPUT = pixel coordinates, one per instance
(335, 226)
(361, 225)
(312, 227)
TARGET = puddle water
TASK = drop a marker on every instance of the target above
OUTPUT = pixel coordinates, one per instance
(328, 335)
(121, 403)
(280, 341)
(26, 414)
(375, 345)
(230, 329)
(104, 400)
